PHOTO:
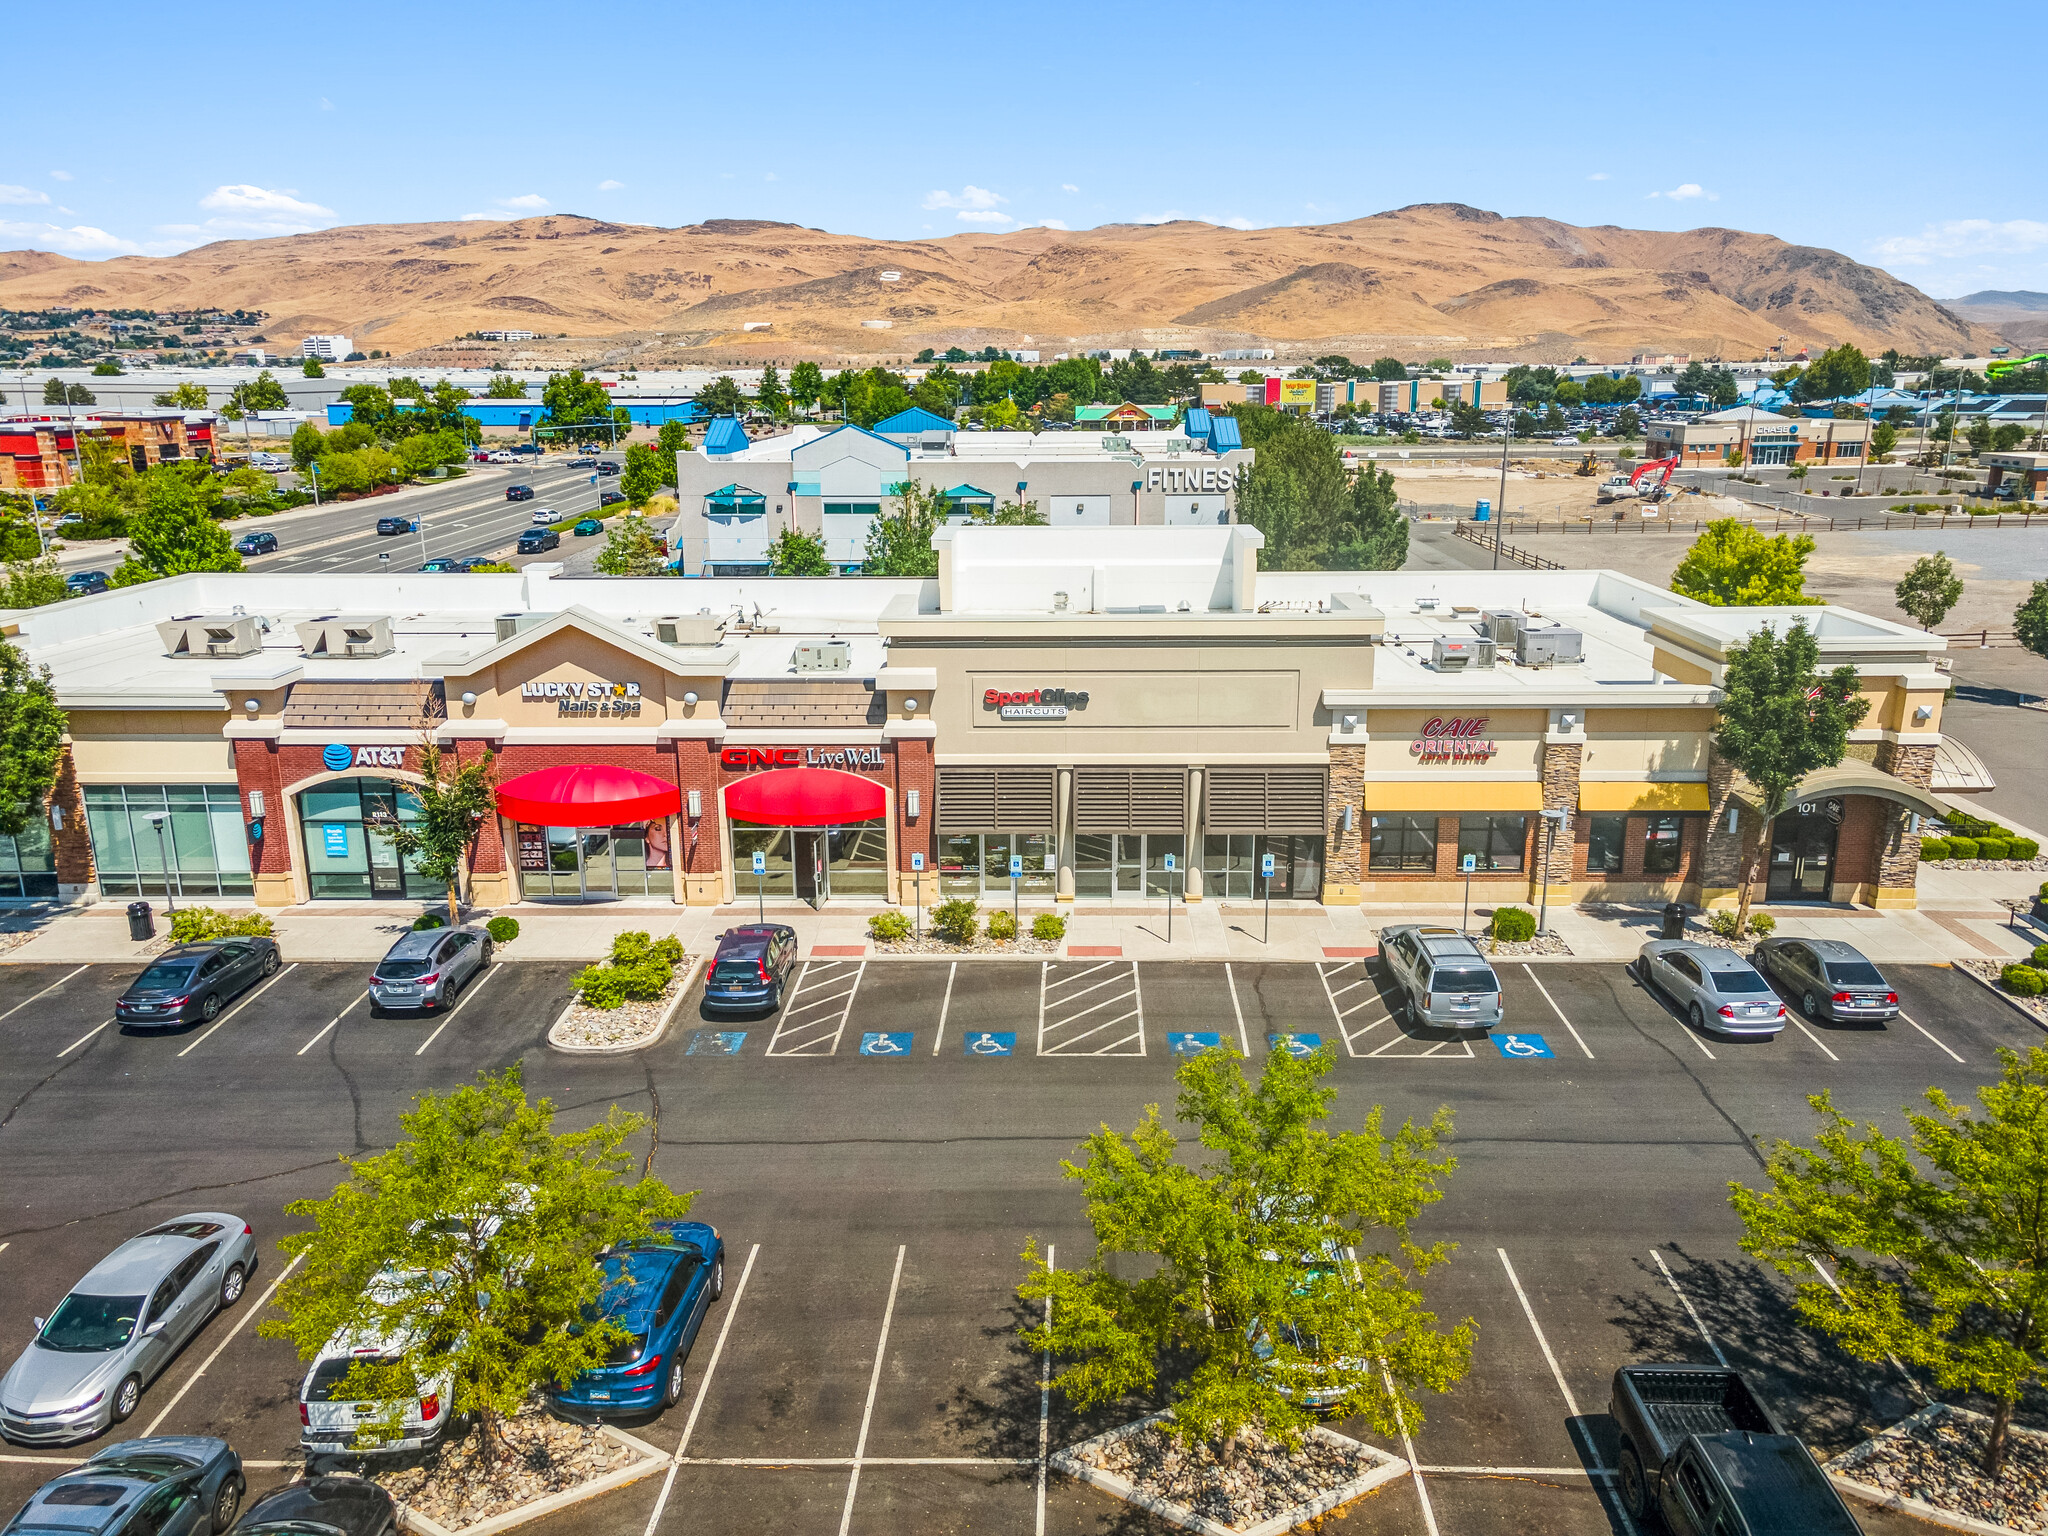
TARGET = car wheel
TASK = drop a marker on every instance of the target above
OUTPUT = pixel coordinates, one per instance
(1635, 1488)
(127, 1398)
(1698, 1015)
(718, 1280)
(227, 1504)
(1807, 1006)
(486, 955)
(210, 1009)
(271, 962)
(674, 1393)
(232, 1284)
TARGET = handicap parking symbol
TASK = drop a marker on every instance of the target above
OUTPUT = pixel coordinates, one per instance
(716, 1042)
(1295, 1045)
(1521, 1045)
(1192, 1044)
(980, 1042)
(885, 1044)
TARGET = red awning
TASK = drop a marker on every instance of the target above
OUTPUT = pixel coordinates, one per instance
(586, 795)
(805, 797)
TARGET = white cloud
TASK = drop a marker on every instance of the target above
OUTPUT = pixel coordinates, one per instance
(326, 105)
(1068, 186)
(525, 200)
(1159, 218)
(1235, 221)
(60, 175)
(1052, 223)
(769, 177)
(248, 199)
(23, 195)
(1598, 176)
(489, 218)
(1687, 192)
(77, 240)
(609, 185)
(982, 216)
(969, 196)
(1958, 238)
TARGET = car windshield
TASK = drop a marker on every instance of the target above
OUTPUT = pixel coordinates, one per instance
(90, 1325)
(1855, 973)
(1447, 980)
(144, 1467)
(400, 970)
(1744, 980)
(164, 976)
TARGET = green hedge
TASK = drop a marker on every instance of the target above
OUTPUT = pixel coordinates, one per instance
(956, 921)
(2022, 848)
(195, 924)
(1962, 847)
(2023, 981)
(888, 927)
(1934, 848)
(503, 930)
(428, 920)
(2040, 960)
(1049, 925)
(1002, 926)
(1994, 847)
(1513, 925)
(640, 970)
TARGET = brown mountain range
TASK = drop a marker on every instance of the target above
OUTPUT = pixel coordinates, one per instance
(1434, 278)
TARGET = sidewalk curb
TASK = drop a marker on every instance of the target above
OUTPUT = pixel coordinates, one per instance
(2012, 1003)
(653, 1038)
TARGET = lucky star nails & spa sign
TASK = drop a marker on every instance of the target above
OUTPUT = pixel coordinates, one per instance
(1459, 739)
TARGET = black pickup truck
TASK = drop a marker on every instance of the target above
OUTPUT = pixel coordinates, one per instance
(1700, 1450)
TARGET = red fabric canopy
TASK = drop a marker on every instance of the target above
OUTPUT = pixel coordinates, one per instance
(805, 797)
(586, 795)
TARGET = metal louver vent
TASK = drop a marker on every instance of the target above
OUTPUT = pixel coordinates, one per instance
(995, 799)
(1130, 800)
(1266, 800)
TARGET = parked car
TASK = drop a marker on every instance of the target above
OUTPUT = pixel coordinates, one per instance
(504, 456)
(388, 525)
(525, 451)
(519, 493)
(316, 1506)
(166, 1485)
(1313, 1360)
(196, 981)
(82, 582)
(586, 527)
(272, 463)
(120, 1325)
(660, 1288)
(335, 1419)
(610, 498)
(537, 540)
(545, 515)
(1717, 988)
(1699, 1449)
(256, 544)
(452, 563)
(1443, 978)
(607, 467)
(426, 969)
(1831, 979)
(750, 966)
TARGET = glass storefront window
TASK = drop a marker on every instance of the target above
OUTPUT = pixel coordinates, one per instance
(1603, 844)
(977, 864)
(1231, 865)
(1497, 841)
(1403, 843)
(1130, 866)
(857, 860)
(28, 865)
(202, 839)
(346, 858)
(1660, 845)
(594, 863)
(779, 878)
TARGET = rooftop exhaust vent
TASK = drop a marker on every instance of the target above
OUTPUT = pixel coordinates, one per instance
(211, 635)
(346, 635)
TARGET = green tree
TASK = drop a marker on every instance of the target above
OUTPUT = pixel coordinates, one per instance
(1008, 514)
(427, 1244)
(32, 583)
(1469, 420)
(797, 554)
(1780, 720)
(1389, 369)
(505, 386)
(311, 368)
(107, 368)
(455, 800)
(1884, 437)
(262, 393)
(369, 406)
(1929, 589)
(2030, 620)
(1553, 420)
(1253, 1294)
(171, 534)
(631, 548)
(1938, 1243)
(417, 455)
(31, 739)
(900, 540)
(55, 393)
(1733, 565)
(1375, 536)
(1525, 424)
(646, 472)
(1295, 492)
(307, 444)
(722, 397)
(1570, 392)
(771, 396)
(574, 401)
(185, 397)
(806, 381)
(1628, 426)
(672, 438)
(1839, 371)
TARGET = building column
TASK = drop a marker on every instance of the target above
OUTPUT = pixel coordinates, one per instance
(1898, 864)
(1191, 878)
(1552, 865)
(1344, 852)
(1721, 855)
(1063, 833)
(70, 838)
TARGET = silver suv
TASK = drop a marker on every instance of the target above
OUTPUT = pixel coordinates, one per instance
(426, 969)
(1443, 978)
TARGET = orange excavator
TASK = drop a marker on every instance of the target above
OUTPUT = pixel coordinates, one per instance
(1618, 486)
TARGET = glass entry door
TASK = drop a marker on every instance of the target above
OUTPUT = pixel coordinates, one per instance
(600, 879)
(1803, 852)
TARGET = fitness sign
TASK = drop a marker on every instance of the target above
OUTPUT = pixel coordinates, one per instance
(1457, 740)
(1033, 703)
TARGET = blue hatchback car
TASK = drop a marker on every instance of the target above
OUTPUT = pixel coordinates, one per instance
(660, 1288)
(750, 967)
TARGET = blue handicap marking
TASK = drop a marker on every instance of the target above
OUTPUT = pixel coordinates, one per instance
(885, 1044)
(1192, 1044)
(983, 1043)
(1521, 1045)
(1295, 1045)
(716, 1042)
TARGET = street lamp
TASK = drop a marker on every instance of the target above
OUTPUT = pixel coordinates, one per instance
(1552, 820)
(156, 820)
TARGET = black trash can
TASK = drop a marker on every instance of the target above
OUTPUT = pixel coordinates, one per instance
(141, 924)
(1674, 919)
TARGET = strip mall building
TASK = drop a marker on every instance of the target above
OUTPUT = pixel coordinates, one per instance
(1091, 701)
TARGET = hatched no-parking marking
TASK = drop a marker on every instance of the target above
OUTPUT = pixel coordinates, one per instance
(1356, 1007)
(814, 1016)
(1090, 1010)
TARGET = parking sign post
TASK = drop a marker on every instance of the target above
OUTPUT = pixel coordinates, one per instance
(917, 887)
(1017, 885)
(1266, 874)
(1170, 861)
(760, 883)
(1468, 863)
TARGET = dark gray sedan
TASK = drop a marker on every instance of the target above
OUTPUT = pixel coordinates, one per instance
(1717, 988)
(316, 1506)
(426, 969)
(168, 1485)
(1830, 979)
(196, 981)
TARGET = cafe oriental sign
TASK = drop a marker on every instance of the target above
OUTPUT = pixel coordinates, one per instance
(1456, 740)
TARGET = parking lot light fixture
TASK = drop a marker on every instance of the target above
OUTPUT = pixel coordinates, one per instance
(164, 858)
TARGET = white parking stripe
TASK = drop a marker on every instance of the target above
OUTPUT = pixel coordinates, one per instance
(1685, 1300)
(704, 1386)
(811, 1025)
(461, 1003)
(240, 1323)
(1120, 1001)
(53, 986)
(331, 1023)
(860, 1448)
(1244, 1041)
(1952, 1056)
(74, 1045)
(1044, 1402)
(245, 1002)
(1342, 1014)
(945, 1007)
(1408, 1450)
(1816, 1039)
(1567, 1023)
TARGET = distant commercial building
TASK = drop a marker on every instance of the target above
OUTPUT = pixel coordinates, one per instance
(506, 335)
(523, 414)
(2030, 469)
(1395, 397)
(40, 453)
(1763, 437)
(329, 349)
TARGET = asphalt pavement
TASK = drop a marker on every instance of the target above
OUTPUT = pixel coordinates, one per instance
(877, 1152)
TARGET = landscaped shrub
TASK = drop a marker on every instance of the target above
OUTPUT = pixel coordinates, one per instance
(2040, 960)
(503, 930)
(888, 927)
(1762, 925)
(2022, 848)
(1934, 848)
(1049, 925)
(1002, 926)
(2023, 981)
(640, 970)
(1513, 925)
(1962, 847)
(1723, 923)
(956, 921)
(1993, 847)
(195, 924)
(428, 920)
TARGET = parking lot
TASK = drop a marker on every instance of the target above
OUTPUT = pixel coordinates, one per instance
(877, 1152)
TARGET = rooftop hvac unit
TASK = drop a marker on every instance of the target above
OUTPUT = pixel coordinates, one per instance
(1450, 654)
(346, 635)
(689, 629)
(510, 624)
(823, 656)
(212, 635)
(1547, 647)
(1504, 624)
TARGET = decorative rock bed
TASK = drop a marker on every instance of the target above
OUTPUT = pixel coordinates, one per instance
(1023, 944)
(1929, 1465)
(1987, 971)
(545, 1465)
(2034, 865)
(627, 1027)
(1268, 1491)
(1542, 944)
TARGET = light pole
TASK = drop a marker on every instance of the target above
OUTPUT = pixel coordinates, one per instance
(1500, 504)
(1552, 820)
(156, 820)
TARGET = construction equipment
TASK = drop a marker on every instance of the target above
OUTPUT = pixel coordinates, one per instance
(2005, 365)
(1588, 466)
(1619, 486)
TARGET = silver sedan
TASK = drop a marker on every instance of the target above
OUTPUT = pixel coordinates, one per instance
(121, 1325)
(1717, 988)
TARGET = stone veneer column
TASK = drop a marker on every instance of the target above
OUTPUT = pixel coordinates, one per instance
(70, 840)
(1721, 854)
(1191, 861)
(1898, 864)
(1344, 852)
(1560, 793)
(1063, 833)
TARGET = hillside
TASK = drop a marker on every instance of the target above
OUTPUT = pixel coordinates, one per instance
(1435, 278)
(2018, 315)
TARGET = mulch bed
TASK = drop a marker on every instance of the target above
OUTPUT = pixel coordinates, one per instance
(1936, 1459)
(2035, 865)
(542, 1456)
(1265, 1481)
(629, 1022)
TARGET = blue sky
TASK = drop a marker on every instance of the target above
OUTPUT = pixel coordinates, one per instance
(1879, 130)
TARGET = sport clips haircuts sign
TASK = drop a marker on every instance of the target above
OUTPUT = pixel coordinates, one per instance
(1033, 703)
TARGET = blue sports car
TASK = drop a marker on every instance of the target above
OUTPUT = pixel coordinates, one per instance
(660, 1288)
(169, 1485)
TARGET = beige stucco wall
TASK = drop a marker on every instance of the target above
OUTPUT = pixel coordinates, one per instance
(1646, 741)
(571, 656)
(166, 746)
